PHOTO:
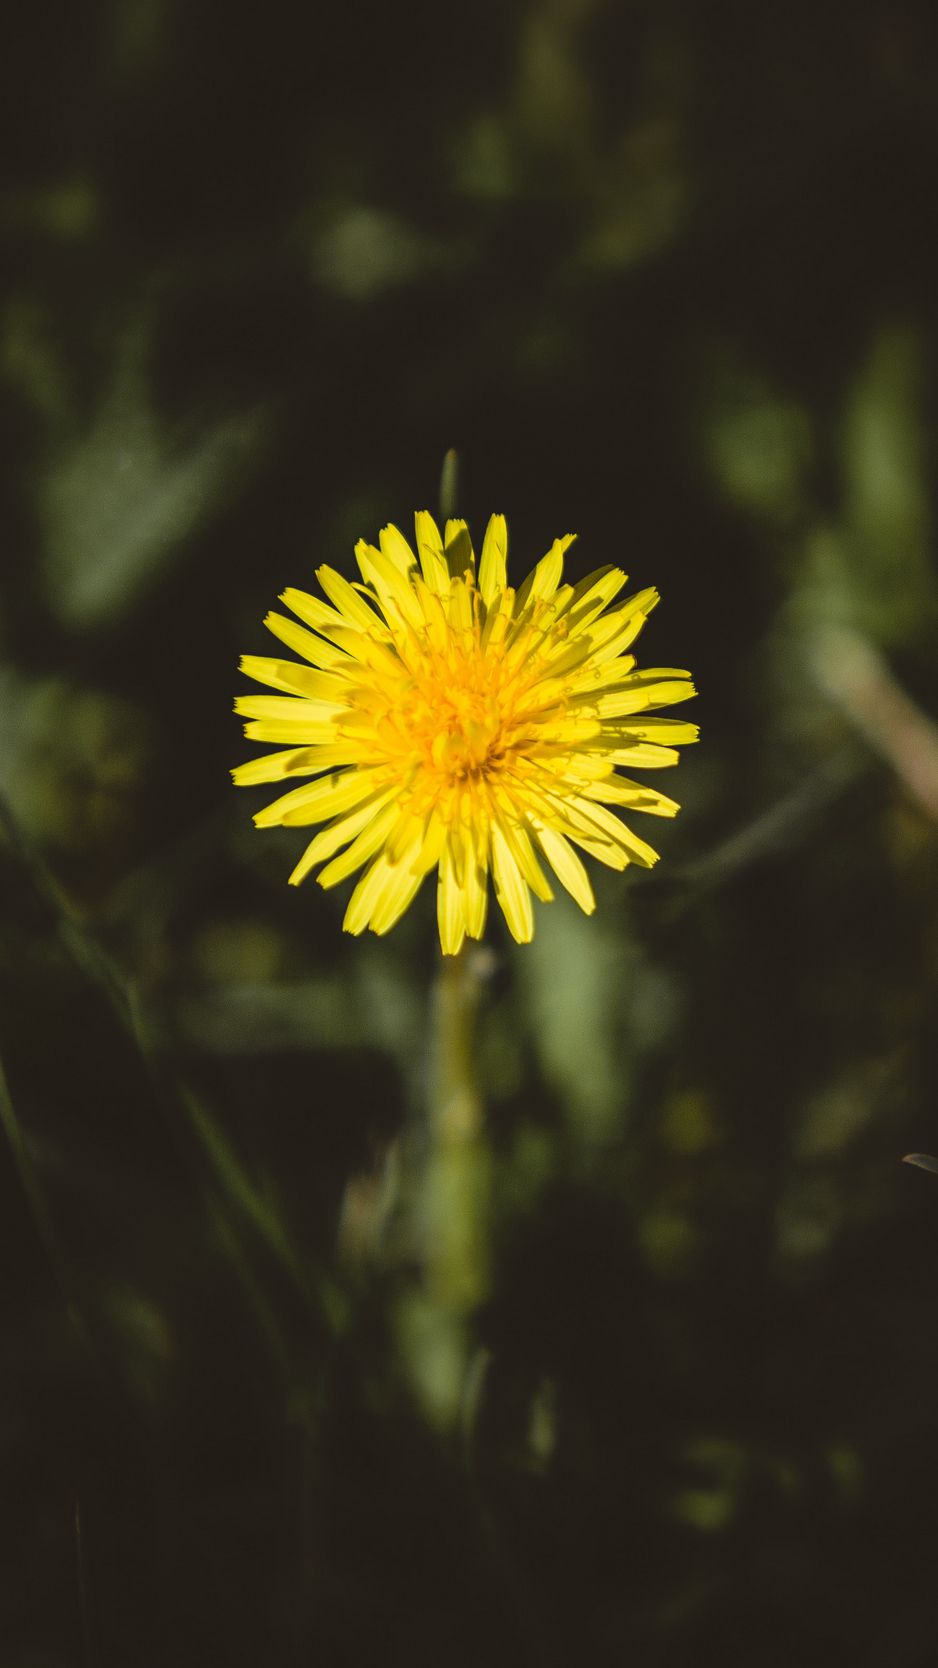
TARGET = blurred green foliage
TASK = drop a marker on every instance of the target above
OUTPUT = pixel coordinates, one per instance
(665, 275)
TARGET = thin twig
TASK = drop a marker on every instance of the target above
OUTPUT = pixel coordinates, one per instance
(854, 674)
(776, 828)
(35, 1193)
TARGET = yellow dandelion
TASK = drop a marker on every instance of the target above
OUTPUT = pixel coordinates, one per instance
(454, 723)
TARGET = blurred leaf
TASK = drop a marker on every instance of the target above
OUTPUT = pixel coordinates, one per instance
(759, 443)
(122, 498)
(887, 577)
(73, 762)
(588, 1019)
(66, 212)
(30, 361)
(366, 251)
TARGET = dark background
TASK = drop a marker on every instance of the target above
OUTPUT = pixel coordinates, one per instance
(666, 275)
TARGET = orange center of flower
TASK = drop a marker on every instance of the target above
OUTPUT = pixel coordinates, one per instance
(456, 727)
(456, 713)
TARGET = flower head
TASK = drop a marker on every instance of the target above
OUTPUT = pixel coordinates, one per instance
(450, 722)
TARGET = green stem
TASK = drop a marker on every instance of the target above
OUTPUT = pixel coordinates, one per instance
(451, 1206)
(458, 1169)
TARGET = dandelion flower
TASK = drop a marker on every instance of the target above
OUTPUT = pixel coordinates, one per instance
(451, 722)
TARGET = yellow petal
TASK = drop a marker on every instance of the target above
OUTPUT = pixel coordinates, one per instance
(328, 621)
(511, 889)
(519, 842)
(475, 883)
(645, 755)
(457, 545)
(460, 606)
(306, 643)
(371, 839)
(592, 595)
(430, 551)
(451, 918)
(396, 548)
(434, 840)
(294, 708)
(604, 851)
(608, 824)
(380, 898)
(328, 840)
(396, 896)
(650, 727)
(406, 838)
(618, 790)
(594, 677)
(498, 620)
(289, 675)
(394, 590)
(573, 818)
(493, 566)
(567, 867)
(643, 689)
(614, 632)
(318, 800)
(366, 896)
(298, 732)
(351, 606)
(295, 761)
(543, 579)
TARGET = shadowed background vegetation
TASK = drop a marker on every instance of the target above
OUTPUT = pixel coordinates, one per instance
(665, 275)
